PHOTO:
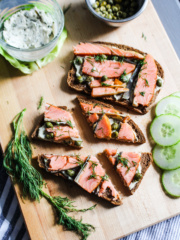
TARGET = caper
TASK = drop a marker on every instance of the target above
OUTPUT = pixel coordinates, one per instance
(114, 8)
(115, 134)
(102, 8)
(118, 6)
(126, 3)
(133, 4)
(97, 9)
(111, 2)
(104, 57)
(49, 135)
(79, 60)
(108, 6)
(109, 10)
(114, 18)
(80, 79)
(104, 78)
(105, 12)
(159, 82)
(137, 177)
(49, 125)
(89, 79)
(97, 3)
(115, 126)
(78, 143)
(115, 58)
(124, 15)
(94, 5)
(71, 173)
(109, 16)
(104, 3)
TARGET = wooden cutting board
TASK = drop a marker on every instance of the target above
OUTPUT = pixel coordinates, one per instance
(149, 205)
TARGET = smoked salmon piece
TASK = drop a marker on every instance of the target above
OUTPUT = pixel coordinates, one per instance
(98, 83)
(58, 163)
(91, 175)
(108, 123)
(146, 83)
(93, 118)
(103, 128)
(107, 91)
(128, 54)
(126, 133)
(84, 49)
(131, 166)
(58, 126)
(109, 68)
(86, 171)
(63, 132)
(95, 108)
(57, 114)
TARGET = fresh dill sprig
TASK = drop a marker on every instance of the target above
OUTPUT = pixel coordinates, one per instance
(16, 162)
(40, 102)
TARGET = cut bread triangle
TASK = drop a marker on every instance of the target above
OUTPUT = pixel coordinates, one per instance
(109, 123)
(57, 125)
(86, 171)
(131, 166)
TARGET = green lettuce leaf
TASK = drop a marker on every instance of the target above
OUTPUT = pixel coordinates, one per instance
(30, 67)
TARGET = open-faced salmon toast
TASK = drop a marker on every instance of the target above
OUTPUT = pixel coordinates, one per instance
(86, 171)
(58, 126)
(131, 166)
(108, 123)
(116, 73)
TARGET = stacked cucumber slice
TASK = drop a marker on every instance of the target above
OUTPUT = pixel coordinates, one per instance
(165, 131)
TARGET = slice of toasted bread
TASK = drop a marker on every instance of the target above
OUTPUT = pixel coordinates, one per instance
(139, 134)
(145, 162)
(71, 80)
(106, 194)
(41, 123)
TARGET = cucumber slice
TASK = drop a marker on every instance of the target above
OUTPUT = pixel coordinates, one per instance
(177, 94)
(170, 104)
(171, 182)
(165, 129)
(167, 158)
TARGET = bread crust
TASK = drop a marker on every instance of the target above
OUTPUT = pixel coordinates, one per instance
(104, 196)
(139, 134)
(124, 103)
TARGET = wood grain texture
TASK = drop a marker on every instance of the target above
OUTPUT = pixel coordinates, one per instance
(149, 205)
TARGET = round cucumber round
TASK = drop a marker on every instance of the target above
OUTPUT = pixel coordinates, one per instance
(170, 104)
(167, 158)
(177, 94)
(171, 182)
(165, 129)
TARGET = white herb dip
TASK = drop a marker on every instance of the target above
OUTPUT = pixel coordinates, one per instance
(28, 29)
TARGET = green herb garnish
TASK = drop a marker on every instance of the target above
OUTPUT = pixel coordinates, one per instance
(69, 123)
(146, 82)
(40, 102)
(143, 36)
(100, 58)
(105, 177)
(105, 84)
(93, 165)
(142, 93)
(16, 162)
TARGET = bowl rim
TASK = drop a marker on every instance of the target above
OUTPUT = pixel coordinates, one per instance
(117, 21)
(10, 47)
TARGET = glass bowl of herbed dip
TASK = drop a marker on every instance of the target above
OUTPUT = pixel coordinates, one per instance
(29, 30)
(116, 12)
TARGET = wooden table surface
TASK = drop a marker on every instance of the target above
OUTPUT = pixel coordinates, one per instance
(149, 205)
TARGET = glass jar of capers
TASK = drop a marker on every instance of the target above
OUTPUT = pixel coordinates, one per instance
(116, 9)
